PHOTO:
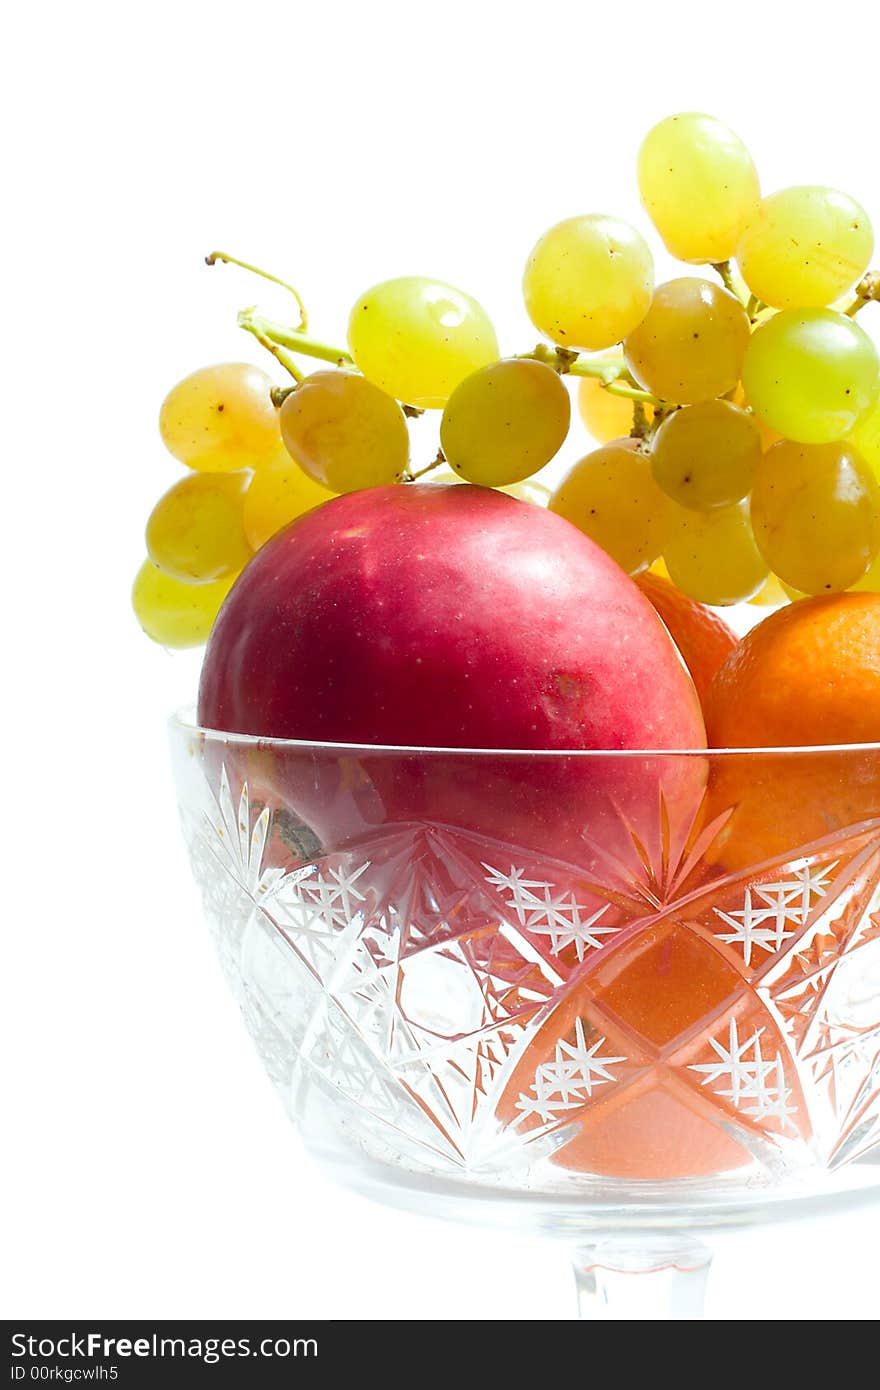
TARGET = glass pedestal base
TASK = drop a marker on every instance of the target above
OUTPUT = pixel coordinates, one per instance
(655, 1279)
(640, 1251)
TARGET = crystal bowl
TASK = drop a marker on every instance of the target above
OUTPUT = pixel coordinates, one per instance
(617, 995)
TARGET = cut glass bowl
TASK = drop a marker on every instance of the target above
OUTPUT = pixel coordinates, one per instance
(622, 997)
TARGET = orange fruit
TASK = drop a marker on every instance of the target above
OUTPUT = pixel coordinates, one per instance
(704, 640)
(807, 676)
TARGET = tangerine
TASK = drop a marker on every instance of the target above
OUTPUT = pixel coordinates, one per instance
(805, 678)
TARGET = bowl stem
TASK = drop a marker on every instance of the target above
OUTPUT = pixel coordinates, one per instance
(646, 1277)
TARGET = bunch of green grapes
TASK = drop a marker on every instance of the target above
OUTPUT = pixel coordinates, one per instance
(255, 468)
(759, 395)
(221, 423)
(736, 407)
(260, 457)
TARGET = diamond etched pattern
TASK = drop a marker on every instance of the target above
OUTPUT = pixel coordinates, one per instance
(772, 911)
(460, 1004)
(563, 1084)
(753, 1084)
(551, 913)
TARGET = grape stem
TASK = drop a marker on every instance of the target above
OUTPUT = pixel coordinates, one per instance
(267, 331)
(250, 321)
(754, 307)
(409, 477)
(279, 395)
(605, 368)
(225, 259)
(609, 369)
(867, 289)
(614, 377)
(631, 393)
(722, 268)
(640, 427)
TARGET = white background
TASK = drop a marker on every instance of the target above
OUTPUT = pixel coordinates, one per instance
(148, 1168)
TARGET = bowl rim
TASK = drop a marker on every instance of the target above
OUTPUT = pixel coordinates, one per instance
(184, 721)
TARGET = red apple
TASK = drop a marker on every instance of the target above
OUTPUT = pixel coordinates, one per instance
(453, 618)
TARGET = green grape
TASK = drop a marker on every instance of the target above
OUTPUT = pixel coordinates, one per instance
(866, 436)
(705, 455)
(175, 614)
(698, 186)
(221, 419)
(345, 432)
(810, 374)
(691, 344)
(277, 495)
(504, 422)
(712, 556)
(805, 247)
(816, 514)
(195, 531)
(611, 496)
(417, 339)
(588, 282)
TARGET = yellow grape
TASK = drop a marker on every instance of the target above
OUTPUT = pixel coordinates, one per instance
(221, 419)
(810, 374)
(805, 247)
(768, 436)
(277, 495)
(175, 614)
(792, 594)
(611, 496)
(529, 490)
(712, 556)
(588, 282)
(505, 422)
(772, 594)
(705, 455)
(866, 436)
(691, 344)
(816, 514)
(605, 415)
(345, 432)
(195, 531)
(870, 582)
(698, 185)
(442, 475)
(418, 338)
